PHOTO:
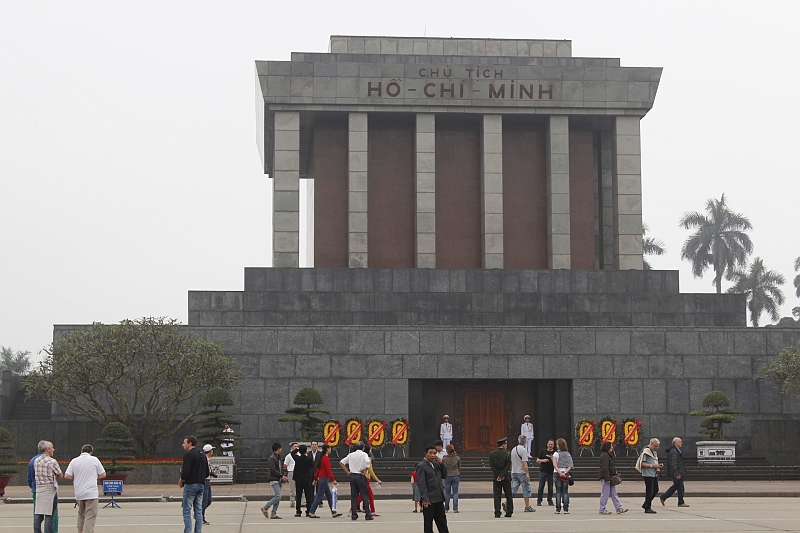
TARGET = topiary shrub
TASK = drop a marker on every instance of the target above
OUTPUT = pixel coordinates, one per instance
(309, 424)
(716, 415)
(212, 420)
(8, 463)
(118, 447)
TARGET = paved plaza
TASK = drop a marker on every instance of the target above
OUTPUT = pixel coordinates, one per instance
(705, 514)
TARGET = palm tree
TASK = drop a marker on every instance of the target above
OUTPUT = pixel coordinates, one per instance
(651, 246)
(796, 310)
(761, 287)
(720, 240)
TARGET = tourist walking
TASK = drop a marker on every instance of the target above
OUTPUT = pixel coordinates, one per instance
(356, 465)
(303, 466)
(676, 469)
(371, 476)
(430, 473)
(500, 462)
(452, 463)
(545, 461)
(276, 479)
(323, 479)
(609, 479)
(194, 472)
(520, 475)
(288, 466)
(649, 466)
(46, 471)
(85, 470)
(32, 485)
(562, 466)
(208, 450)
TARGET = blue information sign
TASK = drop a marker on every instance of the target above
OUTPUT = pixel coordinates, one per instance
(112, 486)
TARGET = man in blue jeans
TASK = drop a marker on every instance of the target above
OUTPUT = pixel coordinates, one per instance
(276, 479)
(676, 469)
(193, 477)
(32, 485)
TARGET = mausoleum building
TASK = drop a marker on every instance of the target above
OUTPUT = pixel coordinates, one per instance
(475, 249)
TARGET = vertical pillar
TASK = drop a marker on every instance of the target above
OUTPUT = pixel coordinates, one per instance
(425, 190)
(627, 193)
(492, 191)
(607, 197)
(286, 190)
(558, 227)
(357, 191)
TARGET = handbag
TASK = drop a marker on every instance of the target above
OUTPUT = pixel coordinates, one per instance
(564, 477)
(616, 479)
(571, 481)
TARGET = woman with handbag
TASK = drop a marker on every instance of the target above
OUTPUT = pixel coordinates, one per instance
(609, 479)
(562, 466)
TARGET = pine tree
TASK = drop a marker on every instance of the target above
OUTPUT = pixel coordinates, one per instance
(119, 447)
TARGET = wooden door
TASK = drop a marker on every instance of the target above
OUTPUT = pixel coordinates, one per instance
(484, 419)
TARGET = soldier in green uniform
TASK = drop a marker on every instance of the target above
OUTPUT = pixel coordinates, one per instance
(500, 461)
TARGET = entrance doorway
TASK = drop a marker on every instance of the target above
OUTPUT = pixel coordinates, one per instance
(484, 419)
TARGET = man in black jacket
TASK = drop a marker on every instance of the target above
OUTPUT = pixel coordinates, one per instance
(303, 466)
(193, 477)
(430, 474)
(276, 479)
(676, 469)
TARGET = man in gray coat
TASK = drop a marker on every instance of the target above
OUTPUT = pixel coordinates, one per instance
(430, 474)
(676, 469)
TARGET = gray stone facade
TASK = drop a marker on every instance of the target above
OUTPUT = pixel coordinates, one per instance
(657, 373)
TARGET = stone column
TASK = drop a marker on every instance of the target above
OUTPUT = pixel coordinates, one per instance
(627, 193)
(607, 197)
(492, 191)
(357, 191)
(558, 227)
(425, 190)
(286, 190)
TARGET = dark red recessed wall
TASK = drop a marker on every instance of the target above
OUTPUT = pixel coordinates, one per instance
(581, 198)
(458, 193)
(330, 191)
(390, 211)
(524, 195)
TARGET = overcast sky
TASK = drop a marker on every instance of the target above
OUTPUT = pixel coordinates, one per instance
(129, 172)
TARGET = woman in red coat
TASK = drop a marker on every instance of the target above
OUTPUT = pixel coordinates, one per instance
(323, 477)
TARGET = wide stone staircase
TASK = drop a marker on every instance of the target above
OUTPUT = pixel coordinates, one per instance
(586, 469)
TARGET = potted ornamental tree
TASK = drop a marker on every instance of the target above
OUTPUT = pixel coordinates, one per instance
(716, 450)
(118, 449)
(8, 463)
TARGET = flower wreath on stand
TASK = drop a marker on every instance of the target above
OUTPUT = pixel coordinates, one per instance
(609, 431)
(400, 433)
(631, 435)
(584, 435)
(376, 434)
(353, 431)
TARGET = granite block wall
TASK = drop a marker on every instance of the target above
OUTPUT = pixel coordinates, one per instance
(657, 374)
(275, 296)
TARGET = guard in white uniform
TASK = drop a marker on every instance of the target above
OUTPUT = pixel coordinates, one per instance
(527, 430)
(446, 431)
